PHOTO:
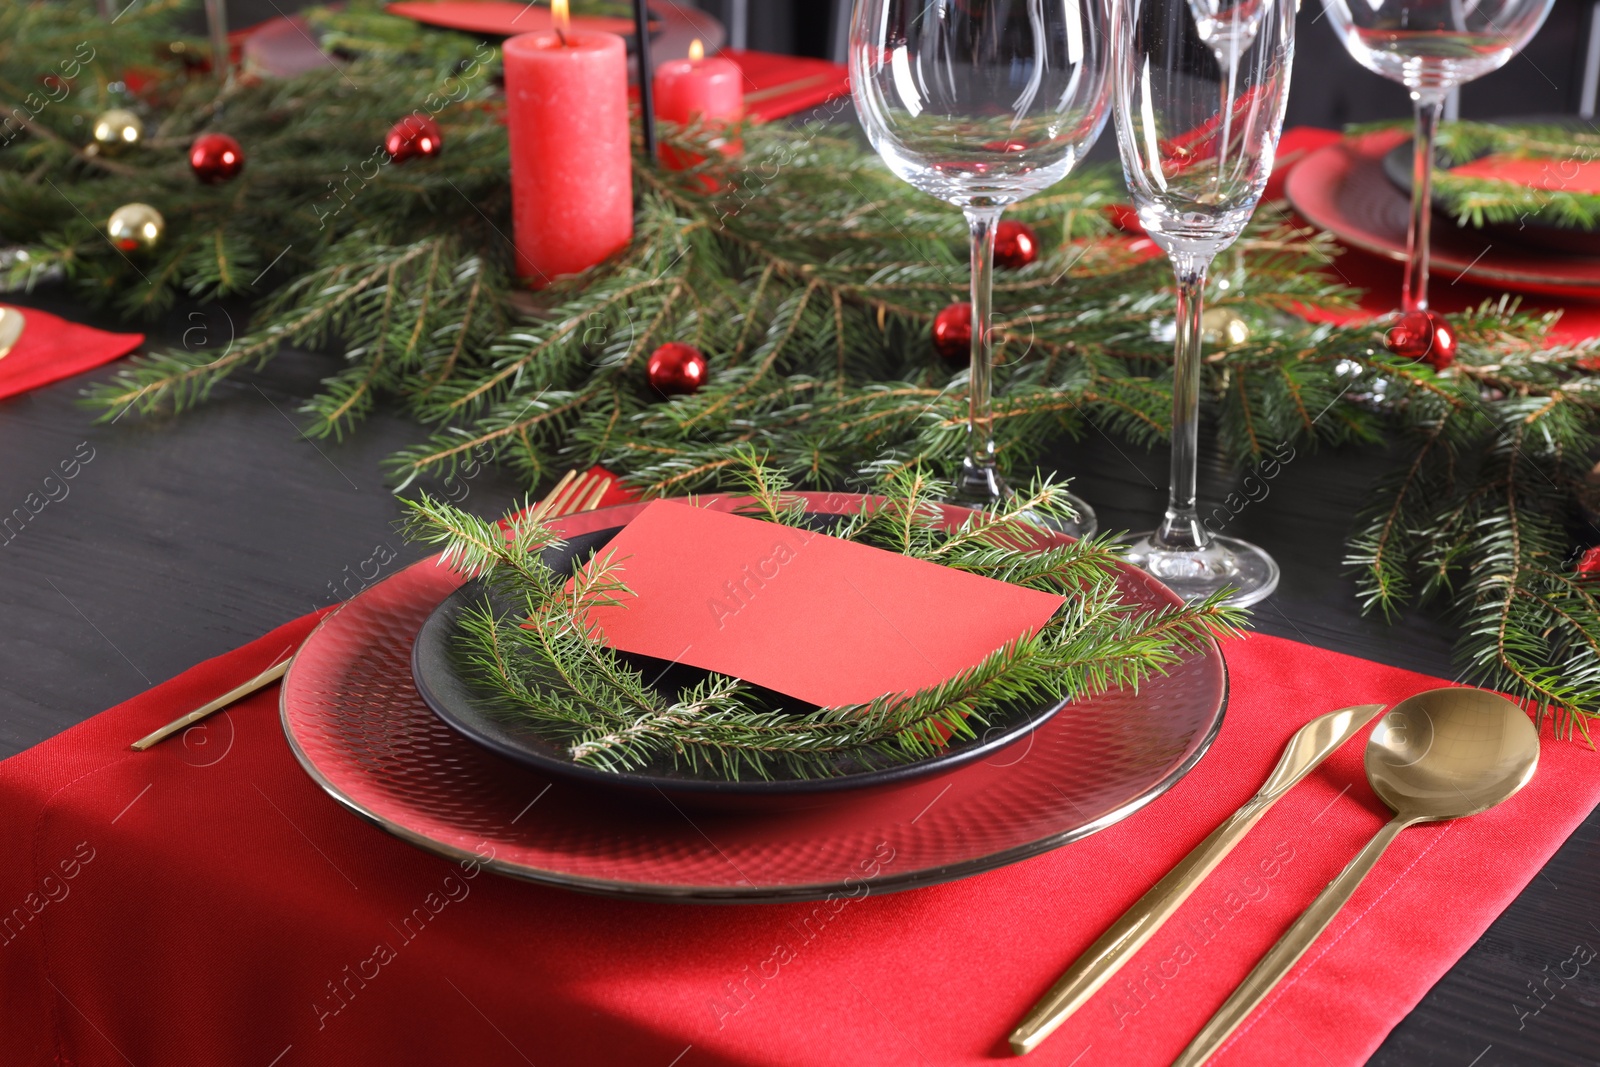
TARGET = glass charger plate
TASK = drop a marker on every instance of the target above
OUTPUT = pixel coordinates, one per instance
(355, 721)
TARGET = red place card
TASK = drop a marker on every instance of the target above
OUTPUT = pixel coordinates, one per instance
(817, 618)
(1551, 175)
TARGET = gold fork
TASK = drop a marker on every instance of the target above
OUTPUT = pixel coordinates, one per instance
(573, 493)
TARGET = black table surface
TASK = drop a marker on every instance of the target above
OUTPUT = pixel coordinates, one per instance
(182, 538)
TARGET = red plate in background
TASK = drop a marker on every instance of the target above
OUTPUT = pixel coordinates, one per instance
(1343, 189)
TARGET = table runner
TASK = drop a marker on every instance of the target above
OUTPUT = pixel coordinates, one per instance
(206, 903)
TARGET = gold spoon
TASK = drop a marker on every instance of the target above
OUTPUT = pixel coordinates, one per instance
(1443, 754)
(1311, 744)
(11, 324)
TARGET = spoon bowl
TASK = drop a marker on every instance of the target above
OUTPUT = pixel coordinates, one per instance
(1449, 753)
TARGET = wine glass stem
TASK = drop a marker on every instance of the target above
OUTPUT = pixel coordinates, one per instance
(980, 478)
(1181, 529)
(1429, 106)
(221, 49)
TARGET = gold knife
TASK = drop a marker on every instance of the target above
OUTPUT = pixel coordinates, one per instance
(1313, 743)
(11, 324)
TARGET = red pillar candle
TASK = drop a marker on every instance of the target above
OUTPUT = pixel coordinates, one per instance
(571, 154)
(707, 91)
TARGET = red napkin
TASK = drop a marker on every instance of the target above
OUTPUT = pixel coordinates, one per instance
(827, 621)
(206, 903)
(777, 85)
(616, 492)
(497, 17)
(52, 348)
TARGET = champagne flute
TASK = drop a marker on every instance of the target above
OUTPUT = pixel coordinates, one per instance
(1200, 89)
(982, 103)
(1430, 47)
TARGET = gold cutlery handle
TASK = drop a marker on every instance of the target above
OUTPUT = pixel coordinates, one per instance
(1282, 957)
(1138, 924)
(1306, 750)
(238, 692)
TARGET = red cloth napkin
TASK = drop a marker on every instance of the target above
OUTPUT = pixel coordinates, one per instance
(616, 492)
(206, 903)
(52, 348)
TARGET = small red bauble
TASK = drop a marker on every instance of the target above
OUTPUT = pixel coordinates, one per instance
(215, 157)
(952, 333)
(413, 137)
(1422, 335)
(1015, 245)
(677, 369)
(1589, 563)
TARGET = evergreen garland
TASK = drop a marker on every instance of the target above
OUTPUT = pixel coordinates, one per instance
(559, 677)
(809, 275)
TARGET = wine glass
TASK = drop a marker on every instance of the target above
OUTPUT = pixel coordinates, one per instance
(1430, 47)
(1199, 88)
(982, 103)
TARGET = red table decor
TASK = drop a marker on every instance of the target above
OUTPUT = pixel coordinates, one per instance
(677, 369)
(413, 137)
(51, 348)
(1016, 245)
(571, 157)
(498, 17)
(951, 332)
(215, 158)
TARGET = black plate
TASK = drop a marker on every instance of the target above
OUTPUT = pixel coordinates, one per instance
(1531, 232)
(454, 699)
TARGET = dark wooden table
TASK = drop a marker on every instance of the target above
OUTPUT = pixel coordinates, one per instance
(183, 538)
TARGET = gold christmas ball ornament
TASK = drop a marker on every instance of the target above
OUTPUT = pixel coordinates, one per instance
(1223, 326)
(136, 227)
(117, 129)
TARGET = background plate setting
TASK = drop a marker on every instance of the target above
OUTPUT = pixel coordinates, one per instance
(1343, 189)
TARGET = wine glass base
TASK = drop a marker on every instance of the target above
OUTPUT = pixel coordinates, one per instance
(1225, 563)
(975, 495)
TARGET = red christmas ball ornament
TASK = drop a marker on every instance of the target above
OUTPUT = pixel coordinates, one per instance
(1422, 335)
(413, 137)
(1589, 563)
(952, 333)
(677, 369)
(215, 157)
(1015, 245)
